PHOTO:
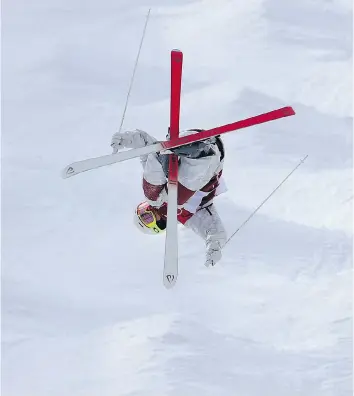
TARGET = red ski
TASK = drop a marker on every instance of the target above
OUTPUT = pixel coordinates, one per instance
(259, 119)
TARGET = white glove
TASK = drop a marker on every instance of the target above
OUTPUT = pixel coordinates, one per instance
(116, 142)
(131, 139)
(213, 253)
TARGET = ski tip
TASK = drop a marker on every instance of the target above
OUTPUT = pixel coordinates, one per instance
(288, 111)
(176, 55)
(68, 171)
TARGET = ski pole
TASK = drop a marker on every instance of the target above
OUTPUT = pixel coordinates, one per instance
(263, 202)
(134, 70)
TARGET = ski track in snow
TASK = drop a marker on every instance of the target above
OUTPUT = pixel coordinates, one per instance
(84, 311)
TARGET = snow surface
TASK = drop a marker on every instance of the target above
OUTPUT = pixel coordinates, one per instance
(84, 311)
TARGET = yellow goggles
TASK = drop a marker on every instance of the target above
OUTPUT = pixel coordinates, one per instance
(147, 217)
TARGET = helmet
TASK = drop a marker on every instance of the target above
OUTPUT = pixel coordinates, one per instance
(145, 220)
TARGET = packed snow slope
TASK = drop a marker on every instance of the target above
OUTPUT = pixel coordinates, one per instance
(84, 311)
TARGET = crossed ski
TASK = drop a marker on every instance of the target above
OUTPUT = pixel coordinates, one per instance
(170, 272)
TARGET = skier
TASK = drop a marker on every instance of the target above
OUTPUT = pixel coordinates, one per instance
(199, 181)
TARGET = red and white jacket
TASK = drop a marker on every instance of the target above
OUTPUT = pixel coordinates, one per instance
(199, 181)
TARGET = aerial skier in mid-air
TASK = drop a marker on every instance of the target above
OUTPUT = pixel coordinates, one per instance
(182, 176)
(200, 180)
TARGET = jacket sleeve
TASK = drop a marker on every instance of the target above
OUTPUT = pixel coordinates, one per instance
(154, 181)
